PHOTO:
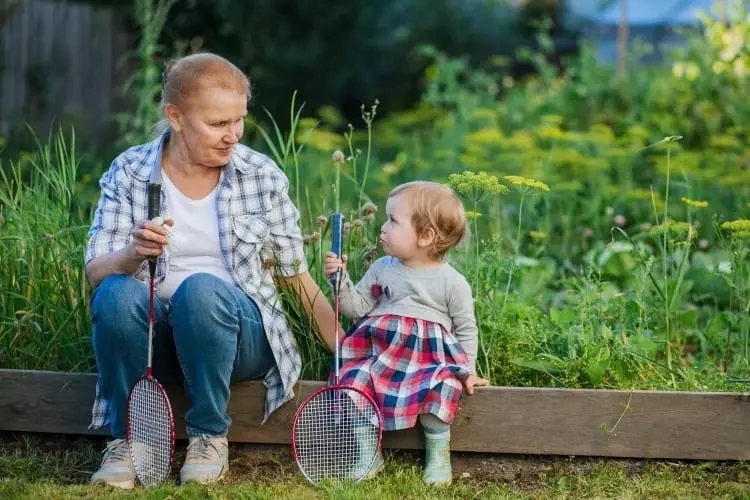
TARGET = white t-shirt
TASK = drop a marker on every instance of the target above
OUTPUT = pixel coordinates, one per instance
(196, 224)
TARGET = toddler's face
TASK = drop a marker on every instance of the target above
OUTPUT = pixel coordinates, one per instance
(397, 235)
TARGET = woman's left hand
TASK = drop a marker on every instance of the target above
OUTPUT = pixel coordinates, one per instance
(473, 381)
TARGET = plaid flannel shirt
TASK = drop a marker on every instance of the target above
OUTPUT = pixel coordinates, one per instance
(257, 222)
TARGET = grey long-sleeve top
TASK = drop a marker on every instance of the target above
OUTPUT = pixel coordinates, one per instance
(439, 294)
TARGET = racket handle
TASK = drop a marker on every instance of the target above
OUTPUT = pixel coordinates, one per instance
(337, 223)
(154, 202)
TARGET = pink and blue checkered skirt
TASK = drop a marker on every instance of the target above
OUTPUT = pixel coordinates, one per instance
(409, 366)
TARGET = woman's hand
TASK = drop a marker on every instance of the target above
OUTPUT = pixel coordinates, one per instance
(149, 239)
(333, 264)
(474, 381)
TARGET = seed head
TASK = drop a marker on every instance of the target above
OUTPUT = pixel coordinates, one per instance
(338, 156)
(369, 208)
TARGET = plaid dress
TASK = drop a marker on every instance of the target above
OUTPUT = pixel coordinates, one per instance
(408, 366)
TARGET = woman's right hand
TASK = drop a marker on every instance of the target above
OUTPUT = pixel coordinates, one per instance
(150, 238)
(333, 264)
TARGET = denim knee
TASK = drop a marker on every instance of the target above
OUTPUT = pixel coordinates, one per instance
(116, 303)
(201, 293)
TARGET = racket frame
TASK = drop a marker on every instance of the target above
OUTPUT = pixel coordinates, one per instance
(154, 201)
(317, 393)
(337, 222)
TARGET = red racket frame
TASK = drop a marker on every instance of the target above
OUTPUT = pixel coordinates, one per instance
(330, 388)
(154, 199)
(337, 220)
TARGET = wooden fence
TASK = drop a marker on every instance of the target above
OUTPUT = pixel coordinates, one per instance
(544, 421)
(59, 63)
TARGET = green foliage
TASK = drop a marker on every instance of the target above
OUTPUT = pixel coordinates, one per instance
(144, 85)
(609, 231)
(44, 314)
(343, 53)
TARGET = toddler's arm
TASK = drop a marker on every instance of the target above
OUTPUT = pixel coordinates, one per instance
(461, 310)
(357, 300)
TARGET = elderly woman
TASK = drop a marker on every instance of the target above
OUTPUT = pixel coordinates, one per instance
(218, 319)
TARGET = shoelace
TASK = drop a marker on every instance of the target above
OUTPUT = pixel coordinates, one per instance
(117, 451)
(201, 448)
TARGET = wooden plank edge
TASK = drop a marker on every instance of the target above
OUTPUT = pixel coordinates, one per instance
(547, 421)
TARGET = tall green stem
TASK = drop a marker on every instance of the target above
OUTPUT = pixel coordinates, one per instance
(516, 252)
(667, 301)
(367, 167)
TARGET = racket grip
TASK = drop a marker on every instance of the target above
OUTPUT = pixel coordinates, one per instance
(337, 223)
(154, 202)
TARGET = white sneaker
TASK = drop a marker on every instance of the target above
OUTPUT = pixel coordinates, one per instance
(207, 459)
(117, 468)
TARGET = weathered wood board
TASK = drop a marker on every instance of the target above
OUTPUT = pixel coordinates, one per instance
(645, 424)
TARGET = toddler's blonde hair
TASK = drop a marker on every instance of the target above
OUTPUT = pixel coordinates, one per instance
(435, 206)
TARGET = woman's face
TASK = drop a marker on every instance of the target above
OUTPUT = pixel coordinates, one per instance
(209, 125)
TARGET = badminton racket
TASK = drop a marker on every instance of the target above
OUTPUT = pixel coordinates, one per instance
(337, 430)
(149, 424)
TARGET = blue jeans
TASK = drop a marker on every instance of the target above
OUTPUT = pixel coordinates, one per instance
(210, 335)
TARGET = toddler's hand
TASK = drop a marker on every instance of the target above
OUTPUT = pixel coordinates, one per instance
(474, 381)
(333, 264)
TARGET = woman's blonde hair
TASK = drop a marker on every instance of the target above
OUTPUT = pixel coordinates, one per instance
(185, 77)
(435, 206)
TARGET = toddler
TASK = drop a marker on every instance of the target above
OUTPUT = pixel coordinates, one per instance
(414, 344)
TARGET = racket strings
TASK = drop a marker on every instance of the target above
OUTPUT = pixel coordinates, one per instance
(337, 435)
(150, 432)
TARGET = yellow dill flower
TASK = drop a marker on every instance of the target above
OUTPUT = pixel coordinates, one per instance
(523, 139)
(538, 235)
(551, 133)
(524, 181)
(601, 133)
(567, 156)
(723, 141)
(693, 203)
(514, 179)
(474, 160)
(673, 228)
(637, 131)
(320, 139)
(485, 136)
(736, 225)
(472, 183)
(473, 215)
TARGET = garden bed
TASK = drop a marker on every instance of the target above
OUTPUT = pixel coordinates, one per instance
(537, 421)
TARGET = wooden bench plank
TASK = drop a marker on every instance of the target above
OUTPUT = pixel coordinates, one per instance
(546, 421)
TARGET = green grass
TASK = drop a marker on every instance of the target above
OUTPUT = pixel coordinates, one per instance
(54, 467)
